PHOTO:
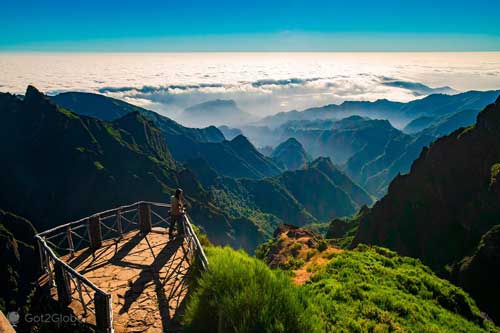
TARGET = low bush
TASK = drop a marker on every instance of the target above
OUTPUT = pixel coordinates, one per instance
(241, 294)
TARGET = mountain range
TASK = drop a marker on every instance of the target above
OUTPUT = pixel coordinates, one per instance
(68, 166)
(446, 210)
(235, 158)
(397, 113)
(372, 151)
(85, 164)
(238, 158)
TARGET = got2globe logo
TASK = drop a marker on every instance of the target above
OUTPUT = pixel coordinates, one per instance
(13, 317)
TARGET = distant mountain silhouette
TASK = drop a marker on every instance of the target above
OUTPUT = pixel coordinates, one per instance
(290, 154)
(398, 113)
(419, 89)
(229, 132)
(216, 112)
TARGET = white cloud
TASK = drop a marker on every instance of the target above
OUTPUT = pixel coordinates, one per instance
(261, 84)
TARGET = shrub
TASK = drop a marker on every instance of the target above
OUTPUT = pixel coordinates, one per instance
(295, 249)
(322, 245)
(241, 294)
(292, 263)
(263, 249)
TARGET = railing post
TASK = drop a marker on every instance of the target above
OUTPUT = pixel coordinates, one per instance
(103, 313)
(95, 235)
(119, 227)
(145, 217)
(49, 269)
(80, 296)
(70, 242)
(62, 284)
(40, 252)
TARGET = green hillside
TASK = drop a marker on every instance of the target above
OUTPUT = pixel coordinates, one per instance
(368, 289)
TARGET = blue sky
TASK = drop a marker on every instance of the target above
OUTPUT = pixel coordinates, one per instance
(294, 25)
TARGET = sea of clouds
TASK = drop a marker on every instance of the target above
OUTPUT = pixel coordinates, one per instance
(260, 83)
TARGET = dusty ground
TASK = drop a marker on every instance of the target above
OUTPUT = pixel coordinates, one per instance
(146, 276)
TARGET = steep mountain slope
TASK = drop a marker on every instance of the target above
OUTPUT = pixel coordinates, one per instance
(318, 192)
(60, 166)
(290, 154)
(444, 125)
(357, 193)
(419, 124)
(216, 112)
(441, 209)
(235, 158)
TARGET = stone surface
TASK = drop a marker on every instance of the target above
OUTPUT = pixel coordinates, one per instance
(146, 276)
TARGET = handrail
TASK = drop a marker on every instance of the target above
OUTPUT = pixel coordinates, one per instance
(70, 269)
(113, 210)
(199, 248)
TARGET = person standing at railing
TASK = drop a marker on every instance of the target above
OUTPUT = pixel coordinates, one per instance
(176, 213)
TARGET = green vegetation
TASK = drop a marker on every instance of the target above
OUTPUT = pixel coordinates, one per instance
(318, 228)
(98, 165)
(495, 173)
(369, 289)
(241, 294)
(68, 113)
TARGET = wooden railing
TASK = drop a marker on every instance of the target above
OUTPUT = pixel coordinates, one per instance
(89, 233)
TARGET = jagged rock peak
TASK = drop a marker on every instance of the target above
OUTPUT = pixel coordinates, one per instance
(33, 94)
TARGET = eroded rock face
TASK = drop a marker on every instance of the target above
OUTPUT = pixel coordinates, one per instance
(479, 273)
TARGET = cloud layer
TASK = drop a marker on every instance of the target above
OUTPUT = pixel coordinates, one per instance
(261, 84)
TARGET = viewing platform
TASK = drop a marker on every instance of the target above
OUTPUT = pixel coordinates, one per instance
(119, 271)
